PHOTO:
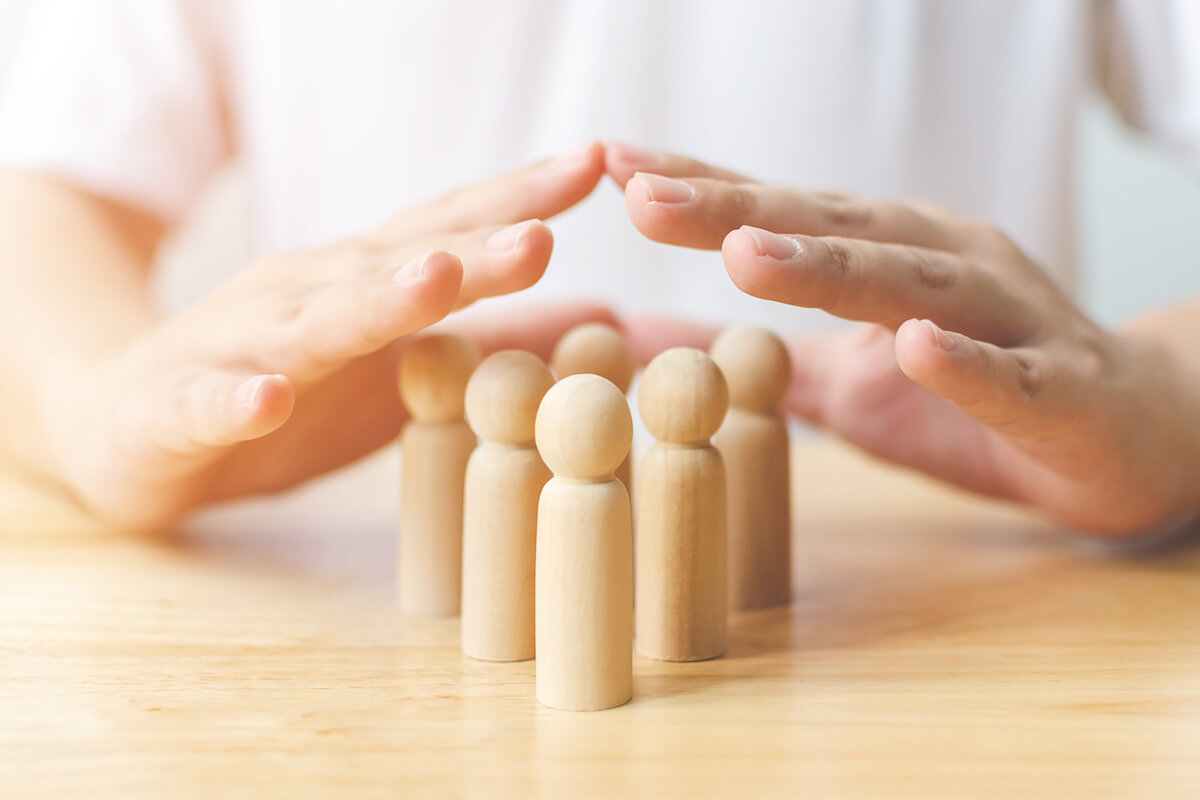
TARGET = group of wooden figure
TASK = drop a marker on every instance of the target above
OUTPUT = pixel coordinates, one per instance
(516, 511)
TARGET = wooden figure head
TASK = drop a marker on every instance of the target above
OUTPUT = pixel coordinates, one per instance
(503, 396)
(433, 376)
(756, 365)
(683, 397)
(583, 427)
(598, 349)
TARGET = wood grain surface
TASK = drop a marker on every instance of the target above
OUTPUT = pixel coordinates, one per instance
(939, 646)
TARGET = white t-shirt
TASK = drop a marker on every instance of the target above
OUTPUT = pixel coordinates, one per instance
(346, 113)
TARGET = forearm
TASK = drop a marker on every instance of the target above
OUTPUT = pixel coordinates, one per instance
(74, 270)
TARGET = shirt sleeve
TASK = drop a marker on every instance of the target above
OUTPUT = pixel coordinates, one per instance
(1149, 66)
(121, 97)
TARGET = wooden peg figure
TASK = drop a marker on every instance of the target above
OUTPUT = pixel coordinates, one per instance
(436, 444)
(584, 594)
(601, 350)
(681, 540)
(754, 444)
(505, 476)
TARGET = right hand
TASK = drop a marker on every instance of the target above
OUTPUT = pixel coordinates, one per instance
(289, 370)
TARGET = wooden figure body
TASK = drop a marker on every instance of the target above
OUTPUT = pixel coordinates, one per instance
(505, 476)
(584, 595)
(598, 349)
(436, 444)
(754, 444)
(681, 516)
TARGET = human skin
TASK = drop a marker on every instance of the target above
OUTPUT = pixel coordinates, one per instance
(283, 373)
(974, 367)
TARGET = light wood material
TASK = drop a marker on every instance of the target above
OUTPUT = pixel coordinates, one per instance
(753, 442)
(598, 349)
(437, 443)
(939, 647)
(681, 516)
(505, 476)
(584, 548)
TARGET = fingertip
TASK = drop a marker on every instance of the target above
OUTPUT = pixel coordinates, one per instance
(436, 277)
(585, 163)
(529, 257)
(622, 161)
(925, 352)
(440, 266)
(655, 219)
(739, 245)
(750, 272)
(536, 239)
(262, 404)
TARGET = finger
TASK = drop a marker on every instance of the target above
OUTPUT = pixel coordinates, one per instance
(650, 335)
(204, 410)
(1018, 392)
(502, 260)
(309, 336)
(535, 329)
(538, 191)
(699, 212)
(880, 283)
(495, 259)
(621, 161)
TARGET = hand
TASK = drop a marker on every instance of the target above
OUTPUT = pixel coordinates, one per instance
(976, 370)
(289, 370)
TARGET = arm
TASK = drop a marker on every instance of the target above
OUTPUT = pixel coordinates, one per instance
(281, 374)
(976, 369)
(56, 315)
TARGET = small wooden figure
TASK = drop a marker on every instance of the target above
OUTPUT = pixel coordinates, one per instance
(584, 592)
(505, 476)
(598, 349)
(681, 540)
(436, 444)
(753, 441)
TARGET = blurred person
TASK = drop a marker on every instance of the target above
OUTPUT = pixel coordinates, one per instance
(973, 365)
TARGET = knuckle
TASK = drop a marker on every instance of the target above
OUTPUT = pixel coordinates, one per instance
(1031, 377)
(837, 265)
(931, 272)
(742, 202)
(836, 256)
(848, 216)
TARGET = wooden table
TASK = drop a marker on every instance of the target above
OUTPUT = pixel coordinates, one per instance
(939, 646)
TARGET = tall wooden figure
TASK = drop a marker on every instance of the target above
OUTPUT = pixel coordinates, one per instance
(754, 444)
(681, 540)
(437, 443)
(601, 350)
(584, 593)
(505, 476)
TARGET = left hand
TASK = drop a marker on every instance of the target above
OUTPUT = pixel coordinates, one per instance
(977, 370)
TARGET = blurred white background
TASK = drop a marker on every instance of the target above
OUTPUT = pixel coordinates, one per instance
(1139, 216)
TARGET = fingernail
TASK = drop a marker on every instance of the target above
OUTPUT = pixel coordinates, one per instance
(640, 157)
(665, 190)
(247, 392)
(572, 159)
(772, 245)
(413, 270)
(940, 337)
(508, 239)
